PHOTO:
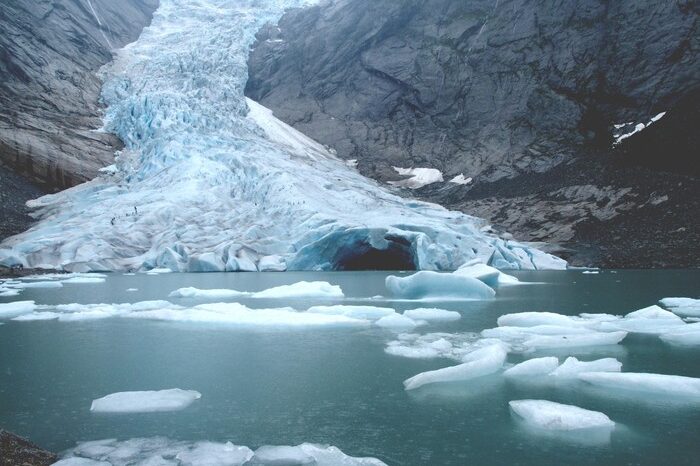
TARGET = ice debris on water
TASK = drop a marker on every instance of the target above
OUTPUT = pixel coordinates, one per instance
(685, 307)
(533, 367)
(145, 401)
(296, 290)
(427, 285)
(161, 451)
(478, 363)
(549, 415)
(656, 384)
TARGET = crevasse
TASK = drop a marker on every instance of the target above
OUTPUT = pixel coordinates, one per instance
(209, 180)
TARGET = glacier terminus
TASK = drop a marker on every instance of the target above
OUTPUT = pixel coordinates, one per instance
(211, 181)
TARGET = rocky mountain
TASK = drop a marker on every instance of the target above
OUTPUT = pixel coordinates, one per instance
(572, 118)
(50, 55)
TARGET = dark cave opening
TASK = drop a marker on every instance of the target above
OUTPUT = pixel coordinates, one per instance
(398, 255)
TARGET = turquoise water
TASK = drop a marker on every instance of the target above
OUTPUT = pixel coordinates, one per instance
(336, 385)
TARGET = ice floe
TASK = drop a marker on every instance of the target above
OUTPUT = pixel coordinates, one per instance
(356, 312)
(8, 310)
(160, 451)
(549, 415)
(432, 314)
(435, 345)
(295, 290)
(236, 314)
(487, 274)
(533, 367)
(398, 322)
(574, 341)
(478, 363)
(427, 285)
(688, 335)
(686, 307)
(657, 384)
(145, 401)
(571, 367)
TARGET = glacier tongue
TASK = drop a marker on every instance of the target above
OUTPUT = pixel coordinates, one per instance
(209, 181)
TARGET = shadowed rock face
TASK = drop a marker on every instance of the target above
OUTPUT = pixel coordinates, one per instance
(522, 96)
(50, 52)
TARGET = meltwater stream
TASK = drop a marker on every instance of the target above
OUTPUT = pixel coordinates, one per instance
(210, 182)
(336, 384)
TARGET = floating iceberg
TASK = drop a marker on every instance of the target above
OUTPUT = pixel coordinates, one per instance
(488, 360)
(650, 320)
(145, 401)
(84, 280)
(657, 384)
(160, 451)
(432, 314)
(572, 367)
(211, 181)
(191, 292)
(688, 335)
(397, 322)
(16, 308)
(236, 314)
(356, 312)
(302, 290)
(436, 345)
(575, 341)
(531, 319)
(533, 367)
(295, 290)
(428, 285)
(487, 274)
(556, 416)
(686, 307)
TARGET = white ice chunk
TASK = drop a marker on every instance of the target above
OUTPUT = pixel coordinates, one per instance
(490, 361)
(215, 454)
(239, 315)
(16, 308)
(191, 292)
(687, 335)
(532, 367)
(487, 274)
(414, 352)
(160, 451)
(397, 322)
(42, 284)
(356, 312)
(302, 290)
(433, 285)
(573, 341)
(84, 280)
(531, 319)
(272, 264)
(37, 316)
(572, 367)
(432, 314)
(556, 416)
(657, 384)
(650, 320)
(686, 307)
(145, 401)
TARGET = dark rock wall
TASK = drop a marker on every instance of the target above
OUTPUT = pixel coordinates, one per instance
(520, 95)
(50, 51)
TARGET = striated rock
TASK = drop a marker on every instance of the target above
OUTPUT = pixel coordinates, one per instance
(523, 97)
(50, 53)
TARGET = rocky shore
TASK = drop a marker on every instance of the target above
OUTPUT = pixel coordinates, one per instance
(17, 451)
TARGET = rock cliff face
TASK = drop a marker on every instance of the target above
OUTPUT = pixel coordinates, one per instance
(522, 96)
(50, 51)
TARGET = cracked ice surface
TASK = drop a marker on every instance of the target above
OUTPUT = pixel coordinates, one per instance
(209, 181)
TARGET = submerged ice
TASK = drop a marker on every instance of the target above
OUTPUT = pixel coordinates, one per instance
(209, 181)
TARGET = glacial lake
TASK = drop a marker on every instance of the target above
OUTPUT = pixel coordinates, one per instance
(337, 385)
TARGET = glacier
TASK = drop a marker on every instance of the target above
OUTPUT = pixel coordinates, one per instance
(211, 181)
